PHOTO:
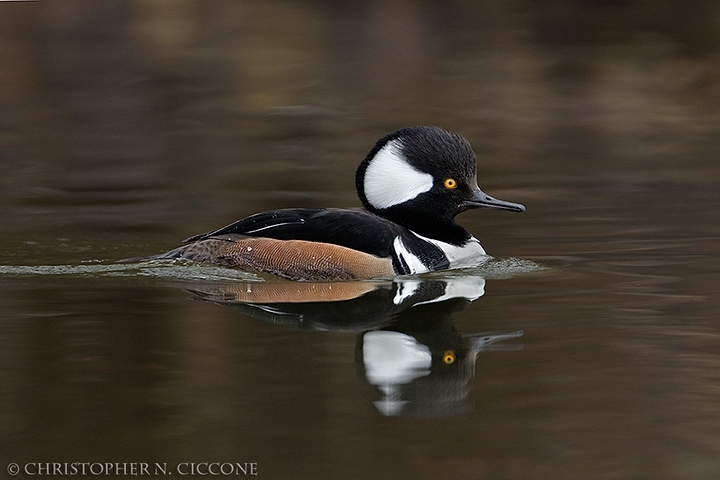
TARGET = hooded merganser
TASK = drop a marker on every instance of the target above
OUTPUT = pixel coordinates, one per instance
(412, 184)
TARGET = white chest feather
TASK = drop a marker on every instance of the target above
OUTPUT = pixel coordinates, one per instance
(469, 255)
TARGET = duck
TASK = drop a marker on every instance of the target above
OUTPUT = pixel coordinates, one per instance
(412, 184)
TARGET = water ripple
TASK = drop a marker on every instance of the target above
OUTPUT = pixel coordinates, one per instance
(186, 270)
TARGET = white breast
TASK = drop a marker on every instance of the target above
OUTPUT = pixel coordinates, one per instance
(471, 254)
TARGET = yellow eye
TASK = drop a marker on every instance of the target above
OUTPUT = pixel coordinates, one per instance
(449, 357)
(450, 183)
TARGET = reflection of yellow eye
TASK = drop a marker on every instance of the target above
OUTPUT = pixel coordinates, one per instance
(450, 183)
(449, 357)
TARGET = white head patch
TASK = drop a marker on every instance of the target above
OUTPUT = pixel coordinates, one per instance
(391, 180)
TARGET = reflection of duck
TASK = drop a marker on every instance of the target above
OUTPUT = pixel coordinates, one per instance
(355, 306)
(408, 347)
(412, 184)
(422, 365)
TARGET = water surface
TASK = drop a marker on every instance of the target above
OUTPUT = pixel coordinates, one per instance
(587, 348)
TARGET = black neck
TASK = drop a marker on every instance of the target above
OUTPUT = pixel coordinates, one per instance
(437, 228)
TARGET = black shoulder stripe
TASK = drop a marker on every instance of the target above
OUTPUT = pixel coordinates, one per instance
(400, 265)
(428, 253)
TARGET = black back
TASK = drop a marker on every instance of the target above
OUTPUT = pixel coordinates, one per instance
(352, 228)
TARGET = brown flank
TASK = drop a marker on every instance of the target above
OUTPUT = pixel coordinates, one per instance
(293, 259)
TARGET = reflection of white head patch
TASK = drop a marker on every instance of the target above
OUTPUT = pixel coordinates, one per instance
(391, 180)
(394, 358)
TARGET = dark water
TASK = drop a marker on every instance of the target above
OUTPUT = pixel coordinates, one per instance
(591, 346)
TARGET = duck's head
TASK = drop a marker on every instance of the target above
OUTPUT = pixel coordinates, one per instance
(421, 178)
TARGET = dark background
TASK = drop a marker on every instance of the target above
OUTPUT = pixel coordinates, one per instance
(126, 126)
